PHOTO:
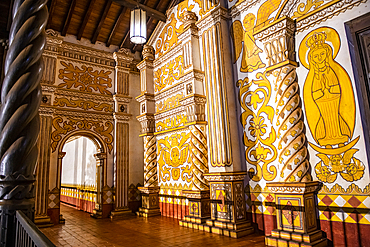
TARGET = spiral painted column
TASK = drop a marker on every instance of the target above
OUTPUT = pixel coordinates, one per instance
(150, 161)
(292, 144)
(150, 190)
(295, 191)
(19, 119)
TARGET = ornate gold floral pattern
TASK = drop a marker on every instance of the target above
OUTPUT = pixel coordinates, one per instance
(260, 149)
(63, 127)
(168, 73)
(172, 122)
(83, 104)
(85, 78)
(169, 103)
(168, 37)
(303, 9)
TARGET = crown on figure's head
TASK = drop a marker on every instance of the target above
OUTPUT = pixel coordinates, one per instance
(316, 40)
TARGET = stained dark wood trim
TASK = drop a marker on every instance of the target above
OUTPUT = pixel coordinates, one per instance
(51, 11)
(69, 17)
(102, 19)
(85, 20)
(116, 25)
(4, 35)
(354, 29)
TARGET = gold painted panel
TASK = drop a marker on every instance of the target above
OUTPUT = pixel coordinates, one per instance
(85, 78)
(173, 164)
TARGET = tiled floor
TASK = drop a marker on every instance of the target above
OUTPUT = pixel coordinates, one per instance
(82, 230)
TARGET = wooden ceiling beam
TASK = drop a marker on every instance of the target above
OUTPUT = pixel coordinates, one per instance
(69, 18)
(85, 20)
(51, 11)
(125, 37)
(102, 19)
(116, 25)
(150, 12)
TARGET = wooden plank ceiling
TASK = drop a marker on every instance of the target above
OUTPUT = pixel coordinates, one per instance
(100, 20)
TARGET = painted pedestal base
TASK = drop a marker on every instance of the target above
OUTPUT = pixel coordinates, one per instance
(199, 209)
(42, 221)
(285, 238)
(120, 213)
(230, 229)
(227, 206)
(296, 215)
(150, 202)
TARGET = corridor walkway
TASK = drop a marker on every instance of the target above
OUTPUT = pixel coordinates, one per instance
(82, 230)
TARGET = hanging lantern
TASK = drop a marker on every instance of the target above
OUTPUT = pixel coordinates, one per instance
(138, 26)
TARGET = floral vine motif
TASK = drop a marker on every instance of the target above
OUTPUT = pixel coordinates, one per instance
(63, 127)
(84, 104)
(350, 168)
(303, 9)
(168, 37)
(168, 73)
(172, 122)
(169, 103)
(260, 149)
(85, 78)
(174, 152)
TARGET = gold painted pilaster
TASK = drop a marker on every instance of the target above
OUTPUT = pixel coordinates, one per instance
(295, 193)
(150, 190)
(223, 129)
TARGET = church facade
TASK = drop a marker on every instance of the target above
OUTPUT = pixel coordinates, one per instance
(238, 116)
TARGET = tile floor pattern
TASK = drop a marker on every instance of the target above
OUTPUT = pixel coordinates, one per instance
(82, 230)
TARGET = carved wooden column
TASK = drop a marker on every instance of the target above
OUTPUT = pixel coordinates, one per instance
(150, 190)
(42, 170)
(121, 119)
(295, 191)
(100, 182)
(19, 118)
(226, 169)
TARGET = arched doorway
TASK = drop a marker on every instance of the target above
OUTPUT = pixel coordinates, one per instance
(84, 194)
(78, 174)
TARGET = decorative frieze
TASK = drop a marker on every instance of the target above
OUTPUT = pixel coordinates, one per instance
(278, 39)
(147, 123)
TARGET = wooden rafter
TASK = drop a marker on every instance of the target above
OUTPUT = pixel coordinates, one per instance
(85, 20)
(105, 13)
(116, 25)
(51, 11)
(127, 33)
(69, 17)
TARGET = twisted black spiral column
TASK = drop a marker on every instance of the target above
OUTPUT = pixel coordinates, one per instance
(19, 118)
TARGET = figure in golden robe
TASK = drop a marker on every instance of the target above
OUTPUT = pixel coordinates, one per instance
(328, 95)
(250, 59)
